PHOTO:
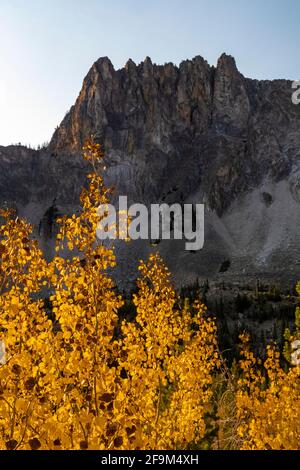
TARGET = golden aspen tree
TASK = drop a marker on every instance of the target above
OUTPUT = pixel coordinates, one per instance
(168, 356)
(268, 402)
(78, 382)
(26, 336)
(85, 305)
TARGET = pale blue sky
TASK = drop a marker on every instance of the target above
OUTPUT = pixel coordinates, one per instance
(48, 46)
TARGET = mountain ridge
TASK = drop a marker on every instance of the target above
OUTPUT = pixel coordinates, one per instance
(188, 133)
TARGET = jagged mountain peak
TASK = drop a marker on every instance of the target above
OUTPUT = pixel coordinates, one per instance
(104, 67)
(173, 88)
(226, 60)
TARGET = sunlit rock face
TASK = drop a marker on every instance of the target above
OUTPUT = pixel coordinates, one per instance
(192, 133)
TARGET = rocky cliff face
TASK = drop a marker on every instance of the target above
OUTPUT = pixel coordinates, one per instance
(39, 187)
(192, 133)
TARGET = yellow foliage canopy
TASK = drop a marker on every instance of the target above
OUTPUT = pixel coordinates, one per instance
(74, 383)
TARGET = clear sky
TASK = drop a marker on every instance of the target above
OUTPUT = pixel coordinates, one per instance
(48, 46)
